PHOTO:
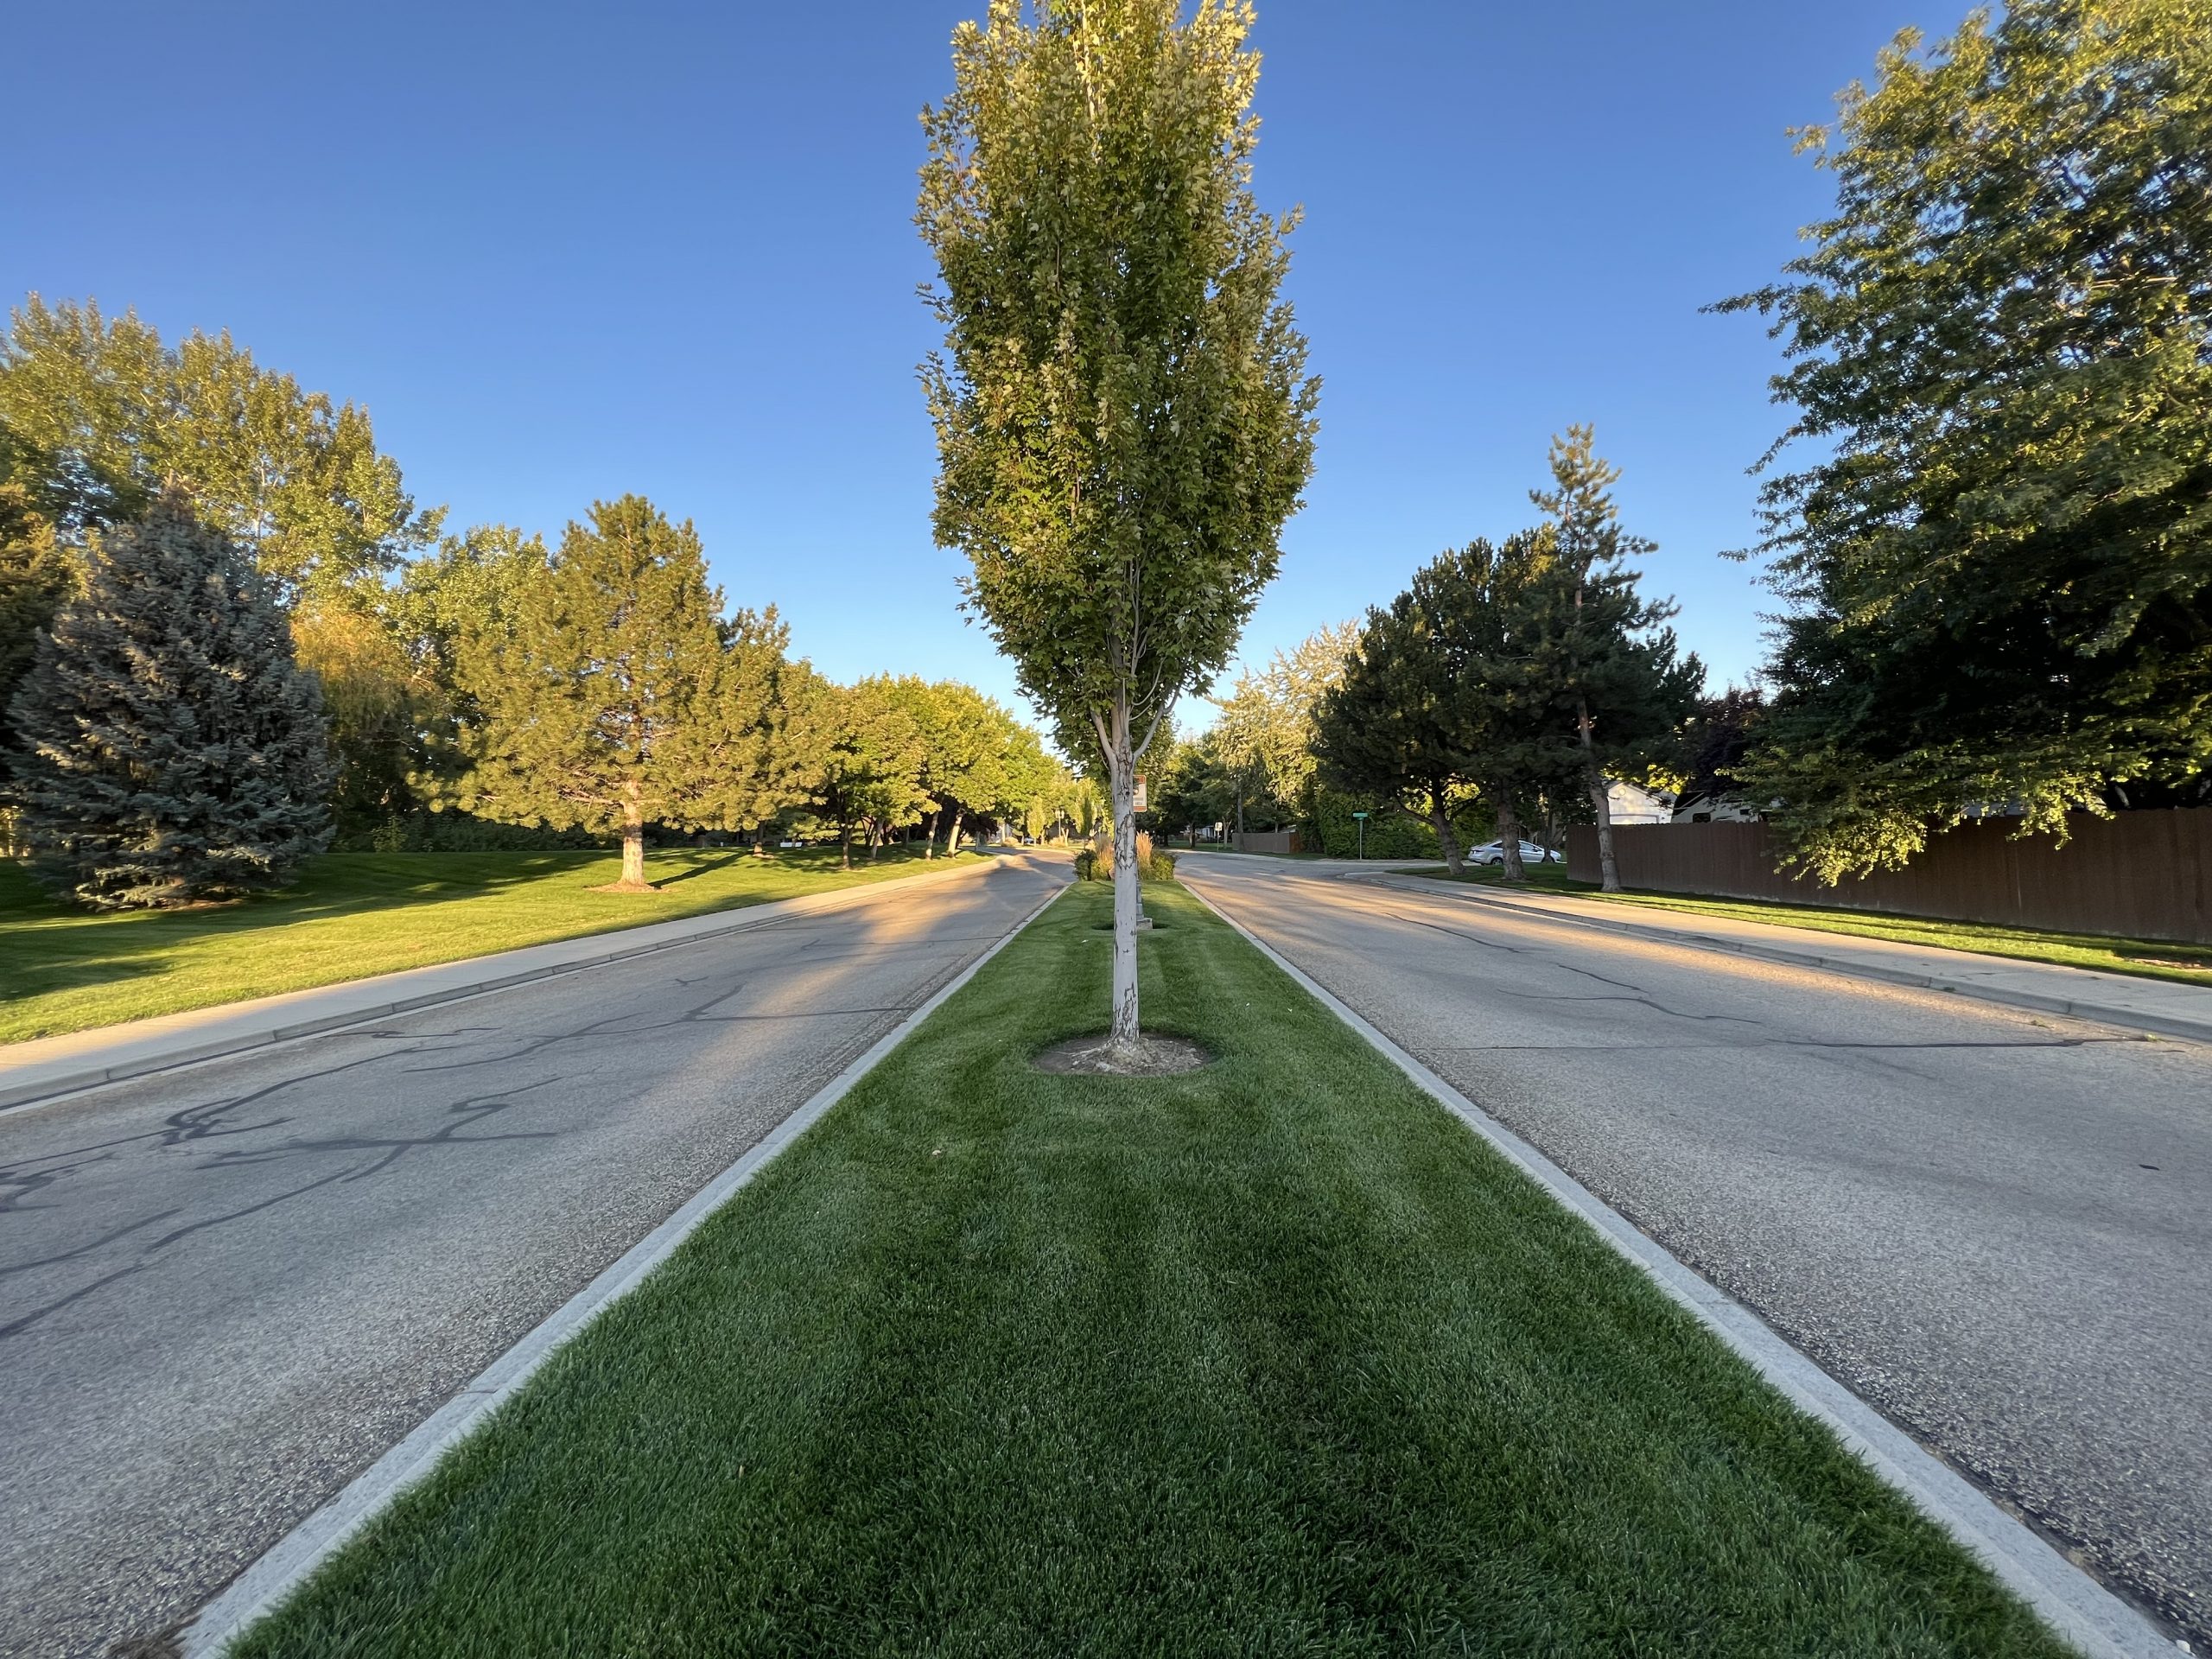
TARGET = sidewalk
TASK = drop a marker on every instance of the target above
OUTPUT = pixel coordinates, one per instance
(2152, 1004)
(47, 1066)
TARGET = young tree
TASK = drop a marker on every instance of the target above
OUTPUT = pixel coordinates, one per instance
(1603, 653)
(172, 751)
(2000, 564)
(616, 700)
(1392, 727)
(1123, 417)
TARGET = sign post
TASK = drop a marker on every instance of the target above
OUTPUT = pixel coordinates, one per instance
(1362, 817)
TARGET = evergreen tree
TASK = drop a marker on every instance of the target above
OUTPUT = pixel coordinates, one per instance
(614, 700)
(172, 749)
(1601, 653)
(1482, 602)
(1391, 727)
(37, 577)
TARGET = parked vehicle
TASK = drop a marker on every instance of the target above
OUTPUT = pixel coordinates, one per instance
(1493, 852)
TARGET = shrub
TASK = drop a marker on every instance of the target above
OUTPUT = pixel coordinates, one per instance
(1096, 863)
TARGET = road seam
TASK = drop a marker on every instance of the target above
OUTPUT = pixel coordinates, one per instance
(294, 1558)
(2164, 1025)
(743, 918)
(2066, 1596)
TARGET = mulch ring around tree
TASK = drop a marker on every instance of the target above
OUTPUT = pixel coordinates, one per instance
(1150, 1056)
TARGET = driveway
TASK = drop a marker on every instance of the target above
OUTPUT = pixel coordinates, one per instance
(225, 1291)
(1995, 1226)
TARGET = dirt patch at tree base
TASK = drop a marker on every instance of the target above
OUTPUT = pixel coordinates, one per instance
(1148, 1057)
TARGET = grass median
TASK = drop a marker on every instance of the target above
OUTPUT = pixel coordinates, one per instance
(354, 914)
(2187, 964)
(1271, 1357)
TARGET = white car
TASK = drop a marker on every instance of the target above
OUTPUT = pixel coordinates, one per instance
(1493, 852)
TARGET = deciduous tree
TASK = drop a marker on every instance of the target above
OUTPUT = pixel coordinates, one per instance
(97, 415)
(1999, 560)
(1123, 417)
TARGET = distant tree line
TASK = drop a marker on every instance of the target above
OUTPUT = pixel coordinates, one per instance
(228, 636)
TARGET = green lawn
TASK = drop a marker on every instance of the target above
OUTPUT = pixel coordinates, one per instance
(354, 914)
(1272, 1358)
(2147, 958)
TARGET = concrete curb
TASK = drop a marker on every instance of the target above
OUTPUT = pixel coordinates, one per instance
(2068, 1598)
(296, 1557)
(2105, 1014)
(497, 972)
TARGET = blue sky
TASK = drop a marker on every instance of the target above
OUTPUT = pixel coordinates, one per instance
(567, 252)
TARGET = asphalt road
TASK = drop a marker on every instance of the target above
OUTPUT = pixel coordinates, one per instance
(225, 1292)
(1996, 1227)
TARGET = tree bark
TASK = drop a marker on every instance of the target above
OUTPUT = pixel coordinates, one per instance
(845, 842)
(929, 842)
(1440, 817)
(952, 843)
(633, 846)
(1122, 775)
(1609, 872)
(1509, 867)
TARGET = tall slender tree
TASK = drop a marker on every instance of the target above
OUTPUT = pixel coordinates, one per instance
(172, 751)
(1603, 652)
(1123, 417)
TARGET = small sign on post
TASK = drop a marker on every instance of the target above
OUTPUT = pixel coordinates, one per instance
(1138, 804)
(1362, 817)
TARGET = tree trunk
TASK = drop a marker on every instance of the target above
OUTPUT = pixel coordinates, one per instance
(1609, 872)
(760, 840)
(1440, 815)
(929, 842)
(845, 842)
(1122, 775)
(633, 848)
(1509, 867)
(952, 843)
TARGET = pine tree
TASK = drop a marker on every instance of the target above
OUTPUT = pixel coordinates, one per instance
(616, 699)
(1391, 727)
(172, 750)
(1603, 651)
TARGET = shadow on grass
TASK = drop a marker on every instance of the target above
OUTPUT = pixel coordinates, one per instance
(47, 946)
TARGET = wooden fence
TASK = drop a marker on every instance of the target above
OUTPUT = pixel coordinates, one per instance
(2145, 876)
(1278, 842)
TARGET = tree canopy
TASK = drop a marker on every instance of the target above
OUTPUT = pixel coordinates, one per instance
(622, 696)
(2000, 564)
(97, 415)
